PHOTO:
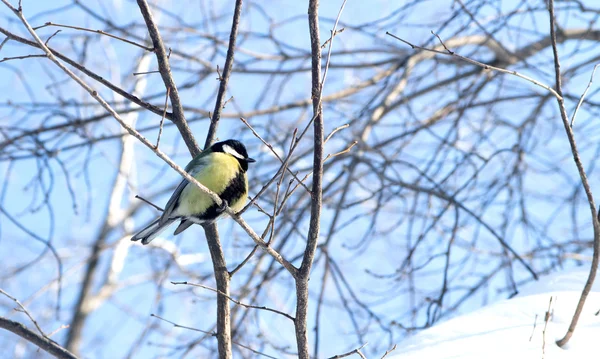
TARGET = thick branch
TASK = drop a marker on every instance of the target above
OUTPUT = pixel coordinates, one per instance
(42, 342)
(222, 276)
(165, 73)
(584, 181)
(317, 190)
(223, 280)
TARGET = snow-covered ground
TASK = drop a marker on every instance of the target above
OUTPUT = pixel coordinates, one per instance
(506, 329)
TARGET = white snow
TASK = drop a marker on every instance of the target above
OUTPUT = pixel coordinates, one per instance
(504, 329)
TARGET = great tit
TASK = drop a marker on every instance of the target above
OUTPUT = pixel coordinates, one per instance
(222, 169)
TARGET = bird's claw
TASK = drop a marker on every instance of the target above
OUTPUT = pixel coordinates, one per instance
(223, 206)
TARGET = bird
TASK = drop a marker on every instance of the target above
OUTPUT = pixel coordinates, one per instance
(222, 169)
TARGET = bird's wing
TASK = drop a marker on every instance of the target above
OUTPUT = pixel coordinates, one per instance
(172, 203)
(192, 168)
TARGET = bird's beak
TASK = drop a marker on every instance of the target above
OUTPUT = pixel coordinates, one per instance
(250, 160)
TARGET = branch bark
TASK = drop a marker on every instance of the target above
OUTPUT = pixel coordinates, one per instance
(42, 342)
(222, 279)
(222, 276)
(584, 181)
(224, 79)
(165, 73)
(317, 190)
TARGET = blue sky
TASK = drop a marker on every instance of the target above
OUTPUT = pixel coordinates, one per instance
(73, 231)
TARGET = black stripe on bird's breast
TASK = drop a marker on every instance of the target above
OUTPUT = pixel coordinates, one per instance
(243, 164)
(233, 192)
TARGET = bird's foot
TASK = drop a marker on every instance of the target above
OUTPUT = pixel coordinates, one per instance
(223, 206)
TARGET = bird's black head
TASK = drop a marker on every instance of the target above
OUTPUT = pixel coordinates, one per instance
(236, 149)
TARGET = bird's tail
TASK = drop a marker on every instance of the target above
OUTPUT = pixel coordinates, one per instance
(152, 230)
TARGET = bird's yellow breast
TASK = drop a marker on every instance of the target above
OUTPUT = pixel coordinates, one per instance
(216, 174)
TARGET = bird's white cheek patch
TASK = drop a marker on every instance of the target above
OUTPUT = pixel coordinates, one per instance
(231, 151)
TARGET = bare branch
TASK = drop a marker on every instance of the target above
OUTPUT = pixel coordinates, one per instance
(477, 63)
(389, 351)
(284, 162)
(44, 343)
(20, 57)
(222, 275)
(148, 202)
(547, 317)
(583, 95)
(223, 280)
(584, 181)
(237, 301)
(210, 333)
(224, 78)
(165, 72)
(24, 311)
(94, 31)
(317, 184)
(355, 351)
(162, 120)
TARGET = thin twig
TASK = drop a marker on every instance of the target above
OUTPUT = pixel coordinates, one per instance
(270, 147)
(148, 202)
(155, 109)
(237, 301)
(273, 178)
(355, 351)
(243, 263)
(224, 78)
(389, 351)
(146, 73)
(162, 120)
(337, 32)
(477, 63)
(328, 60)
(534, 326)
(209, 333)
(341, 152)
(20, 57)
(165, 72)
(24, 311)
(4, 42)
(182, 326)
(51, 36)
(277, 210)
(546, 320)
(336, 130)
(290, 192)
(48, 245)
(63, 326)
(94, 31)
(583, 95)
